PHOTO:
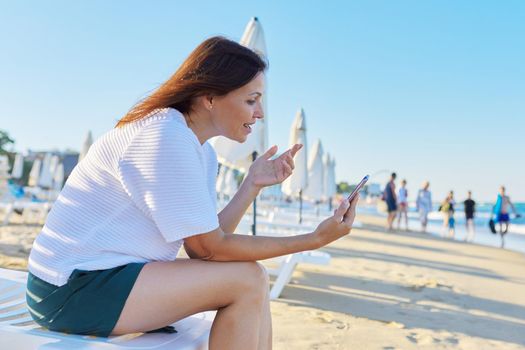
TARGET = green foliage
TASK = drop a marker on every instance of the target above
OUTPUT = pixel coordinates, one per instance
(4, 141)
(343, 187)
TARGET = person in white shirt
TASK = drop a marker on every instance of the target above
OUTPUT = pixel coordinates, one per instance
(145, 189)
(424, 205)
(402, 204)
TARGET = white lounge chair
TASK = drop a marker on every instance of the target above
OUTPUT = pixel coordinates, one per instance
(19, 332)
(32, 211)
(287, 264)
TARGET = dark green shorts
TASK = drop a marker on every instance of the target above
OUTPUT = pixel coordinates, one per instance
(89, 303)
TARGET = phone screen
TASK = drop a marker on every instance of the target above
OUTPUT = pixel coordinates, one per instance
(358, 188)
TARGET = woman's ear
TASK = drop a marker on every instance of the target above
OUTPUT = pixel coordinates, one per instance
(205, 101)
(209, 102)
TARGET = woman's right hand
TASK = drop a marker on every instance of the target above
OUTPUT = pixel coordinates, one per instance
(338, 225)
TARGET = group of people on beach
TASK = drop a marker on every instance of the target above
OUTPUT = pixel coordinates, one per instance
(397, 203)
(397, 207)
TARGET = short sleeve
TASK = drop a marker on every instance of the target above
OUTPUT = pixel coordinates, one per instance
(213, 172)
(164, 173)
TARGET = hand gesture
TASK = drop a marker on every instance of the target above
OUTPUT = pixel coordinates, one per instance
(338, 225)
(266, 172)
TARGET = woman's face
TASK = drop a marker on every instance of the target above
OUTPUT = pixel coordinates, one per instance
(234, 114)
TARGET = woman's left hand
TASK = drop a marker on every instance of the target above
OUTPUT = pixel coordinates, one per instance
(266, 172)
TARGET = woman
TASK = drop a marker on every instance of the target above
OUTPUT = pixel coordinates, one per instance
(105, 261)
(402, 201)
(447, 210)
(424, 205)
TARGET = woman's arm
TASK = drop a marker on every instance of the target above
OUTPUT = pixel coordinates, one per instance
(231, 215)
(219, 246)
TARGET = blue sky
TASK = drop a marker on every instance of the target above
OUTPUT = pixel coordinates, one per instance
(431, 89)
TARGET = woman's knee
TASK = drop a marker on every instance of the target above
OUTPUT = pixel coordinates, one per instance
(254, 279)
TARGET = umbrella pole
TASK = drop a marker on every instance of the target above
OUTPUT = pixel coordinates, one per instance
(254, 225)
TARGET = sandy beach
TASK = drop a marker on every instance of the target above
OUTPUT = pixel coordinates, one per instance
(384, 291)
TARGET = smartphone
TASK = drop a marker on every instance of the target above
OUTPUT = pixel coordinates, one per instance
(358, 188)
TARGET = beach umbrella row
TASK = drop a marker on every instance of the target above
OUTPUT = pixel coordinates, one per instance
(47, 173)
(314, 174)
(308, 178)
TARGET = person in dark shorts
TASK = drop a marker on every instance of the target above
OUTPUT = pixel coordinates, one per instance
(501, 210)
(389, 194)
(470, 208)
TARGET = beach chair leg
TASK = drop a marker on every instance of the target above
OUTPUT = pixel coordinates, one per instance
(285, 274)
(7, 214)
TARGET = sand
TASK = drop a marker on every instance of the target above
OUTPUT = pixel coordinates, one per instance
(384, 291)
(404, 291)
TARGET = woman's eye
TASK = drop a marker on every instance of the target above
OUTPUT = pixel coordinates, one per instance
(251, 102)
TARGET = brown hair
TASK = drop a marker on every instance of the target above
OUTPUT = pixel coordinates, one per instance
(216, 67)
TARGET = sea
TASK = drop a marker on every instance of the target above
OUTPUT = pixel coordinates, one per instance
(514, 239)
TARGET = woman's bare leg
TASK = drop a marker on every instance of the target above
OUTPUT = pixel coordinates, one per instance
(166, 292)
(265, 334)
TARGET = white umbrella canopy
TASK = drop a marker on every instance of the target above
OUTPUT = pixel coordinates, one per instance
(88, 141)
(299, 178)
(34, 174)
(329, 177)
(58, 178)
(239, 155)
(314, 190)
(49, 165)
(18, 166)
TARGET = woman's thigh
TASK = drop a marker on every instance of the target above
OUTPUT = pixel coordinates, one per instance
(166, 292)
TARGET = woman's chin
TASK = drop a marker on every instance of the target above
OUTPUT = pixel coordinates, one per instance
(239, 138)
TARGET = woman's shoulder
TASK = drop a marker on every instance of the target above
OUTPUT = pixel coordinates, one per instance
(167, 123)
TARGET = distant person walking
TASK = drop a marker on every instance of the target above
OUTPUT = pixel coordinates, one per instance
(470, 209)
(501, 210)
(402, 201)
(389, 195)
(447, 209)
(424, 205)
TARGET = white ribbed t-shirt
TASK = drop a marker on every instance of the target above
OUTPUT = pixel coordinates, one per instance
(138, 193)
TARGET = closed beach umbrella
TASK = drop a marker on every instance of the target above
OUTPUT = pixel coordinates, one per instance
(295, 184)
(314, 190)
(239, 155)
(46, 173)
(18, 167)
(330, 186)
(34, 174)
(58, 178)
(88, 141)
